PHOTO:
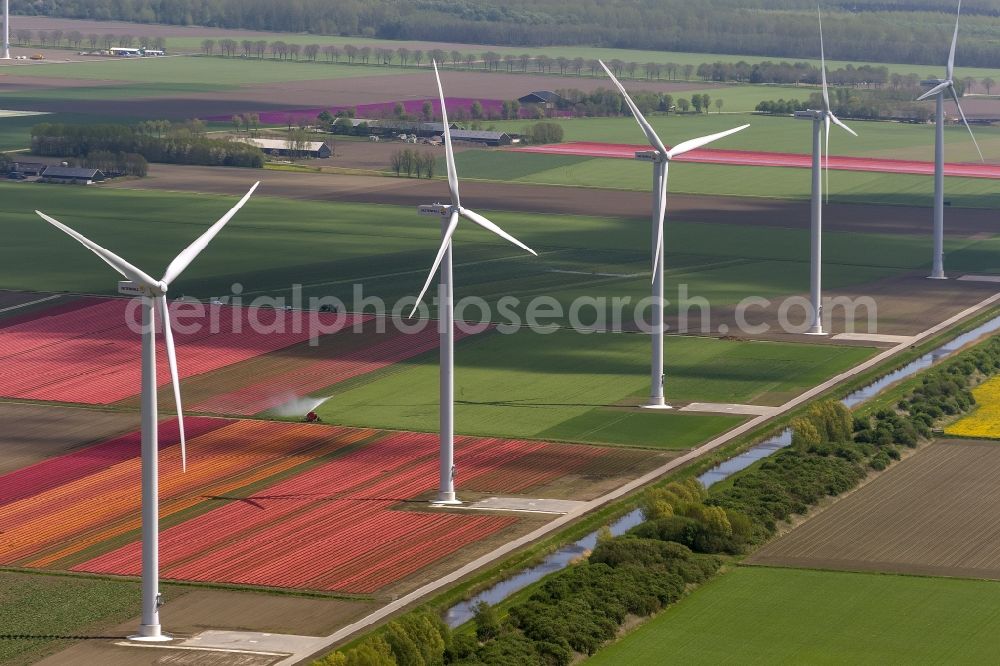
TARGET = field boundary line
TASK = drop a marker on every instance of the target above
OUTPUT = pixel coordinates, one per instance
(635, 484)
(35, 302)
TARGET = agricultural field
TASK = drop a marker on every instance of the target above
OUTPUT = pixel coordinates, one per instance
(328, 248)
(787, 616)
(353, 487)
(932, 514)
(274, 384)
(985, 420)
(566, 385)
(33, 433)
(362, 364)
(85, 350)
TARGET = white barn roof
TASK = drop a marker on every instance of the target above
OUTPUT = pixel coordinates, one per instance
(281, 144)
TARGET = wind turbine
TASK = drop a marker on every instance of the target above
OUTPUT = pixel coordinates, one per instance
(6, 31)
(940, 87)
(660, 157)
(449, 222)
(154, 294)
(821, 124)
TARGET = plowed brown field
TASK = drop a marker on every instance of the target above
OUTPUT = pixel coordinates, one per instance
(936, 513)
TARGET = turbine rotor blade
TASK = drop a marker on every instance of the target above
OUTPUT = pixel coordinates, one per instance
(445, 244)
(954, 44)
(688, 146)
(826, 153)
(184, 259)
(966, 122)
(935, 90)
(840, 124)
(168, 339)
(109, 257)
(475, 217)
(647, 129)
(448, 152)
(661, 213)
(822, 59)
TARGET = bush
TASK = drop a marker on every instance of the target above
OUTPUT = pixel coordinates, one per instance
(545, 132)
(486, 621)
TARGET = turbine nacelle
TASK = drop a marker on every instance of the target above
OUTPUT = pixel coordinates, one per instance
(132, 288)
(653, 156)
(947, 84)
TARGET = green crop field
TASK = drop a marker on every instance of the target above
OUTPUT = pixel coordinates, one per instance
(745, 98)
(329, 247)
(782, 616)
(36, 609)
(202, 71)
(561, 385)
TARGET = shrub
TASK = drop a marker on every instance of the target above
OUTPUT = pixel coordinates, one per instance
(545, 132)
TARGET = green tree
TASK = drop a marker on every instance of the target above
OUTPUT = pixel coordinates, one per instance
(487, 622)
(426, 634)
(404, 647)
(476, 110)
(683, 104)
(805, 434)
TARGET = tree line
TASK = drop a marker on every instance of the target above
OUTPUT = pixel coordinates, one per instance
(905, 31)
(76, 39)
(783, 72)
(886, 103)
(154, 140)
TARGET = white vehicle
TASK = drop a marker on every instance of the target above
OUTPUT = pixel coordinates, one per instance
(123, 52)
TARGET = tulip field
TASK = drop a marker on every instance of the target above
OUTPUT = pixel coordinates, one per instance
(85, 351)
(289, 505)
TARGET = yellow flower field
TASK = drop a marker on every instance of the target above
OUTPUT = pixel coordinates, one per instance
(984, 421)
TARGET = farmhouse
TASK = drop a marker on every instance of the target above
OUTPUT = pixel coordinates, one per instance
(284, 148)
(483, 137)
(28, 168)
(422, 130)
(71, 175)
(543, 98)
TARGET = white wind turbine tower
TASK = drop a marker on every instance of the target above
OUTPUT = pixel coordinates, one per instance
(660, 157)
(449, 222)
(6, 31)
(153, 293)
(821, 125)
(940, 87)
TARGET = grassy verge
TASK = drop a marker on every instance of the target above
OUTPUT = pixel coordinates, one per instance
(784, 616)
